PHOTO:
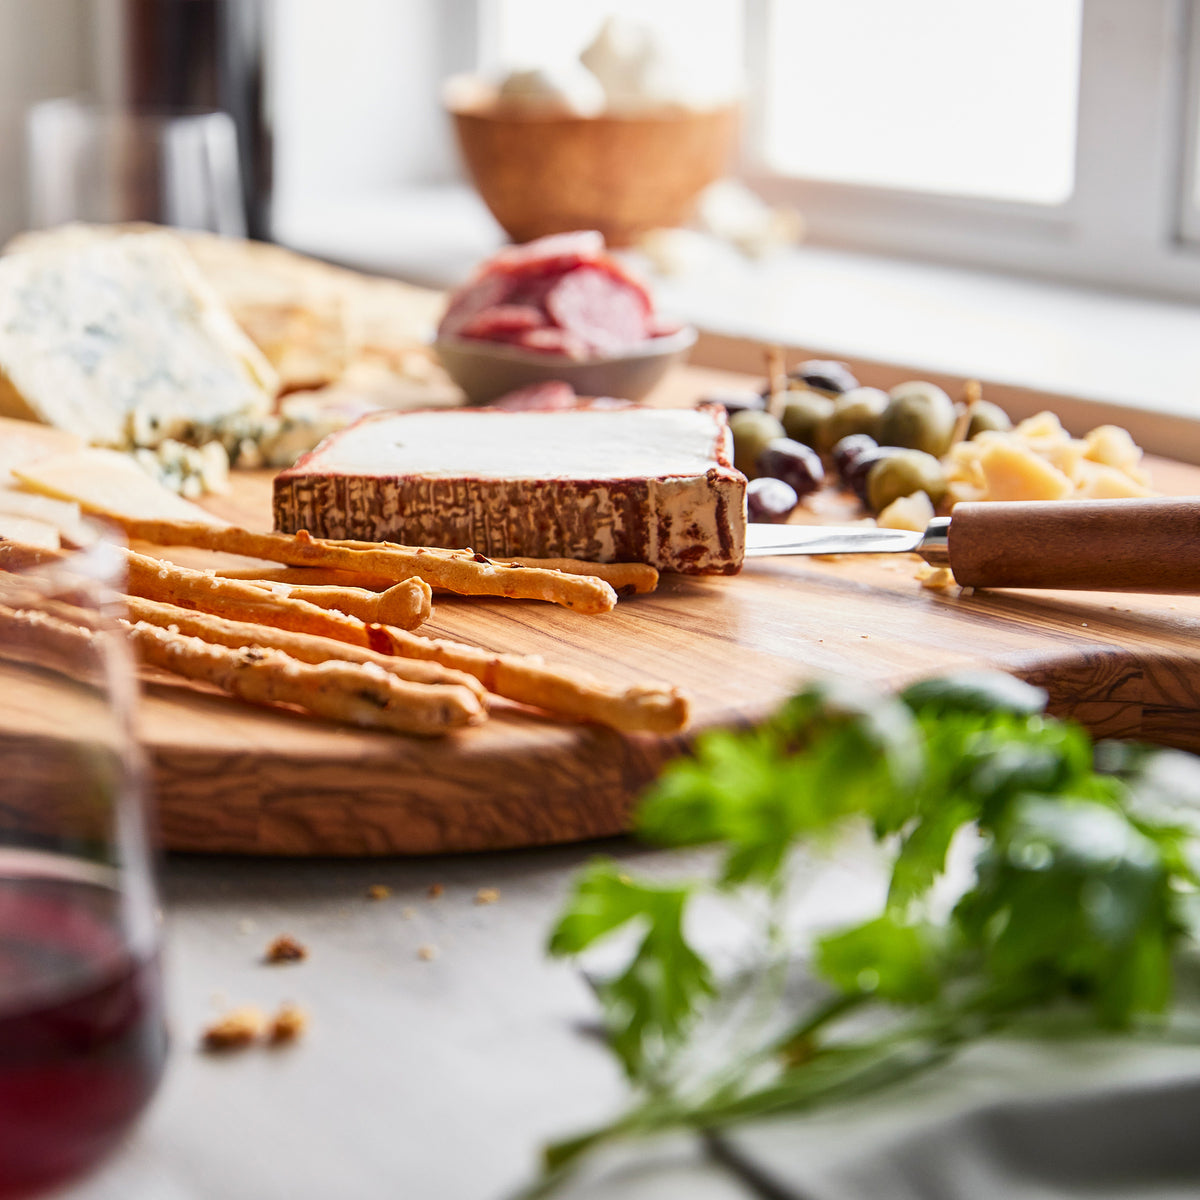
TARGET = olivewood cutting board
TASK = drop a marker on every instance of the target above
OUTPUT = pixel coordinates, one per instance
(233, 778)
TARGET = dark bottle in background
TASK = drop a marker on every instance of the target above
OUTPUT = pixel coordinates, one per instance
(178, 55)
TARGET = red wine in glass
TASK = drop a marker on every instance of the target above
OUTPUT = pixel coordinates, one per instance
(82, 1036)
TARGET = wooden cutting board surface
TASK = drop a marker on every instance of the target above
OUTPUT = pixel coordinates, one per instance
(230, 777)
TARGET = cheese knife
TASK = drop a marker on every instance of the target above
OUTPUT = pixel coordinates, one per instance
(1095, 545)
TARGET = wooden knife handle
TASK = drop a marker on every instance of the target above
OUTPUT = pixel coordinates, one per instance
(1100, 545)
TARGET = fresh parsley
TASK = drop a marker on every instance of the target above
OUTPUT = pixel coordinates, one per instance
(1081, 895)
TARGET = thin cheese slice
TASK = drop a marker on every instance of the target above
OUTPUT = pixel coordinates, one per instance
(29, 531)
(108, 482)
(62, 515)
(23, 441)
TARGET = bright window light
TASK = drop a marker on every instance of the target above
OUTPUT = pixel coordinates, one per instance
(961, 97)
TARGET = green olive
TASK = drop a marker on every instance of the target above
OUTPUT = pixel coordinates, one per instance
(901, 474)
(987, 417)
(920, 416)
(752, 431)
(803, 414)
(856, 411)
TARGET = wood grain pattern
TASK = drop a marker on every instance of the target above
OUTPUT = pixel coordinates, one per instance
(234, 778)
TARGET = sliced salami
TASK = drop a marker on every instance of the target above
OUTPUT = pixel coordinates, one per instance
(552, 395)
(503, 320)
(606, 312)
(550, 340)
(549, 255)
(480, 294)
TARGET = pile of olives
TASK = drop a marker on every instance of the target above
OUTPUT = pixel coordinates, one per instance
(882, 445)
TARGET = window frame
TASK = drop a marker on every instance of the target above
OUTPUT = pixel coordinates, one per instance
(1130, 222)
(1124, 224)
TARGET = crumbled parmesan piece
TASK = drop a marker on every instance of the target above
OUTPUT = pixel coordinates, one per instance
(236, 1030)
(487, 895)
(285, 948)
(427, 952)
(909, 512)
(288, 1024)
(1039, 460)
(937, 579)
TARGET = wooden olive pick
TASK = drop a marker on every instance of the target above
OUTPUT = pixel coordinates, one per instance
(1102, 545)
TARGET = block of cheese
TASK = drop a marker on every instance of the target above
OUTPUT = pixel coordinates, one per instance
(122, 342)
(603, 485)
(108, 482)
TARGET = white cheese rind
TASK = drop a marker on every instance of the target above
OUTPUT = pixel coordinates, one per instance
(539, 485)
(123, 342)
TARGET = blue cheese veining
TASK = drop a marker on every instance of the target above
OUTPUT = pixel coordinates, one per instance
(124, 343)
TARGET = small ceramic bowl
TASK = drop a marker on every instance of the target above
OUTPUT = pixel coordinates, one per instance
(488, 370)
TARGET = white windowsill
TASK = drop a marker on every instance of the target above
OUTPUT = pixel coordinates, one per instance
(1104, 346)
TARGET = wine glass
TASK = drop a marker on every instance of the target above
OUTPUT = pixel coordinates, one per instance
(99, 164)
(82, 1034)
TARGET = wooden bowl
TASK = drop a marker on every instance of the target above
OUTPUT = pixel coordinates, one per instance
(620, 175)
(488, 370)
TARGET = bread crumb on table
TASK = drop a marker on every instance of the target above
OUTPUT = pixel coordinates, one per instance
(427, 953)
(285, 948)
(434, 891)
(288, 1024)
(235, 1030)
(937, 579)
(378, 891)
(487, 895)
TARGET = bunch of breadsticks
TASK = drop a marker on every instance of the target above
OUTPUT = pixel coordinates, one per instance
(331, 630)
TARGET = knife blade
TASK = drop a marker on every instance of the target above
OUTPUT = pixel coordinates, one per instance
(1135, 545)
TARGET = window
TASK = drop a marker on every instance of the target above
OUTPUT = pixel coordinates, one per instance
(1058, 137)
(974, 98)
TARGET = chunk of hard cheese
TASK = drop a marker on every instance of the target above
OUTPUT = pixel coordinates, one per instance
(122, 342)
(108, 482)
(603, 485)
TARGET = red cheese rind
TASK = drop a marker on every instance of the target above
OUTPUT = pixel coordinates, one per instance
(606, 312)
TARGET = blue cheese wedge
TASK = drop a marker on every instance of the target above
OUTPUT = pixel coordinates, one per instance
(122, 342)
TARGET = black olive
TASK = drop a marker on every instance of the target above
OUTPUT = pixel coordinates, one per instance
(832, 378)
(770, 499)
(795, 463)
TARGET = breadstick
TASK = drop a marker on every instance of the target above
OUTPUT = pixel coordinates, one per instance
(51, 642)
(475, 576)
(527, 679)
(154, 579)
(305, 647)
(358, 694)
(627, 578)
(624, 578)
(406, 604)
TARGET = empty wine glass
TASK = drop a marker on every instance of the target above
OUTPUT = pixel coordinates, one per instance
(97, 164)
(82, 1034)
